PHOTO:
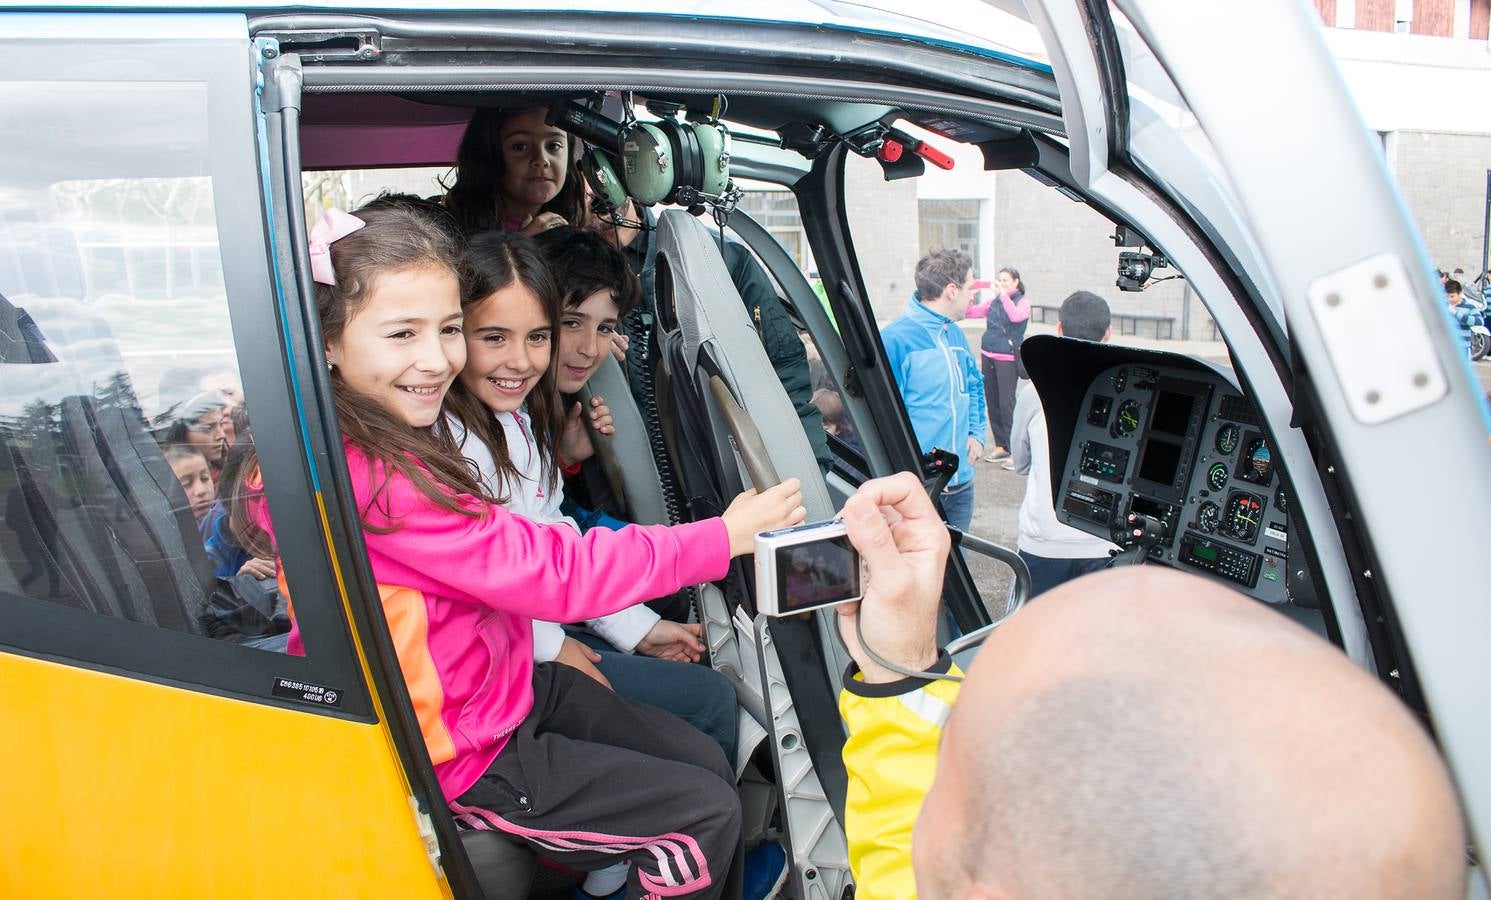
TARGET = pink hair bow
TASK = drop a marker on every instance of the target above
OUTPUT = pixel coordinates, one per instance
(330, 228)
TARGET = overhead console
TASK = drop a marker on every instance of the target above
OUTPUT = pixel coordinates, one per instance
(1171, 440)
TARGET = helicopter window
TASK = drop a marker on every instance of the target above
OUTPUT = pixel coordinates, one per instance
(126, 435)
(130, 488)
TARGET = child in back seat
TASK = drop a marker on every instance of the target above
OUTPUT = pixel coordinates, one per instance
(596, 288)
(505, 412)
(540, 753)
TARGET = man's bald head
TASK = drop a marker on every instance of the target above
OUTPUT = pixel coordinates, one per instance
(1143, 733)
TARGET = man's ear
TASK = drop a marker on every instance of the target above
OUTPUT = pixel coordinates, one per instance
(1060, 332)
(1108, 334)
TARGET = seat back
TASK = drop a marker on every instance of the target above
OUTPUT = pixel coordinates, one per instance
(626, 456)
(733, 426)
(91, 497)
(695, 292)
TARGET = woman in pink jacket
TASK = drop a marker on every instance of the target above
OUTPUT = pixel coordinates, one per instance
(1006, 317)
(542, 753)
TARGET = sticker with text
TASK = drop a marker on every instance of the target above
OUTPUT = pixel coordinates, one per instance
(305, 692)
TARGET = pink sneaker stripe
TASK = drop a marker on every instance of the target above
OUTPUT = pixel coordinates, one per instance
(678, 849)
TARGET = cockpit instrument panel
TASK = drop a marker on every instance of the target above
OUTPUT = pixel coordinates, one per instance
(1183, 447)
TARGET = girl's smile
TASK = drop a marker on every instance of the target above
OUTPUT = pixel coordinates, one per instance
(403, 348)
(508, 338)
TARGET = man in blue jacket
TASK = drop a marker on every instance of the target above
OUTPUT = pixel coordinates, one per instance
(938, 375)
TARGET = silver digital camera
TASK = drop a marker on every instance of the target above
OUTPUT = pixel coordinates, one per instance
(805, 567)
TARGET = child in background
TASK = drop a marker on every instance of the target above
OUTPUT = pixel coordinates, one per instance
(1454, 293)
(224, 544)
(195, 477)
(596, 288)
(541, 753)
(835, 416)
(206, 423)
(516, 172)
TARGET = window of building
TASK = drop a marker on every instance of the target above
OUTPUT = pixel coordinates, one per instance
(950, 224)
(777, 211)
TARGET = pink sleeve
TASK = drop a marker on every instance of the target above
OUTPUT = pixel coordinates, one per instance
(977, 310)
(540, 571)
(1017, 310)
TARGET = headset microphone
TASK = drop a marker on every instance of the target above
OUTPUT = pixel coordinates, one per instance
(586, 124)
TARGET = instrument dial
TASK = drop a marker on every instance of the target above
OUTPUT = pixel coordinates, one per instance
(1241, 518)
(1208, 516)
(1216, 477)
(1127, 420)
(1228, 437)
(1258, 462)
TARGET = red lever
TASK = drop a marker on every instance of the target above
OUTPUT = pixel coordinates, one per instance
(890, 151)
(932, 155)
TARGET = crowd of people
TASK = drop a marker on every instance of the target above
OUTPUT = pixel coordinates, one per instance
(558, 708)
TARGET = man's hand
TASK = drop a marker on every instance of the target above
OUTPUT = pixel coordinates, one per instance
(578, 656)
(673, 640)
(904, 545)
(574, 441)
(258, 567)
(975, 451)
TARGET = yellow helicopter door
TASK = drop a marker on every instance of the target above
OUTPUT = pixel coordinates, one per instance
(164, 734)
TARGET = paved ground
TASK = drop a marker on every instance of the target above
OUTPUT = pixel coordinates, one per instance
(999, 492)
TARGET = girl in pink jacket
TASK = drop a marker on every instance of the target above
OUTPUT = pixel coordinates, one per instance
(542, 753)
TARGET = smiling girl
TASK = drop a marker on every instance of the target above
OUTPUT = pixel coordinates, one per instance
(515, 173)
(510, 380)
(541, 753)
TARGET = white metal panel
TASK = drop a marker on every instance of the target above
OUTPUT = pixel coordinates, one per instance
(1317, 199)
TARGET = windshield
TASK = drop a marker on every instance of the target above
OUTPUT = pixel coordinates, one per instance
(1166, 143)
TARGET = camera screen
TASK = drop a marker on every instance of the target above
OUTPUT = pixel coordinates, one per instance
(817, 573)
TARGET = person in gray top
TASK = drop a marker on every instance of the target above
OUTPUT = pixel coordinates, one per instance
(1054, 552)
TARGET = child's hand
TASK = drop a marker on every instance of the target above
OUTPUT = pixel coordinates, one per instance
(543, 222)
(574, 441)
(673, 640)
(619, 345)
(576, 655)
(259, 568)
(751, 513)
(600, 416)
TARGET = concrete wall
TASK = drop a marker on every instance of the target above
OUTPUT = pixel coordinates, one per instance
(1443, 180)
(883, 225)
(1060, 246)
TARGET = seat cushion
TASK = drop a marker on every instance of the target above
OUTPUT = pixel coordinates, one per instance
(504, 867)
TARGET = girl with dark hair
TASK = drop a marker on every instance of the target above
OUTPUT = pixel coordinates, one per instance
(206, 423)
(541, 753)
(515, 173)
(504, 410)
(1007, 316)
